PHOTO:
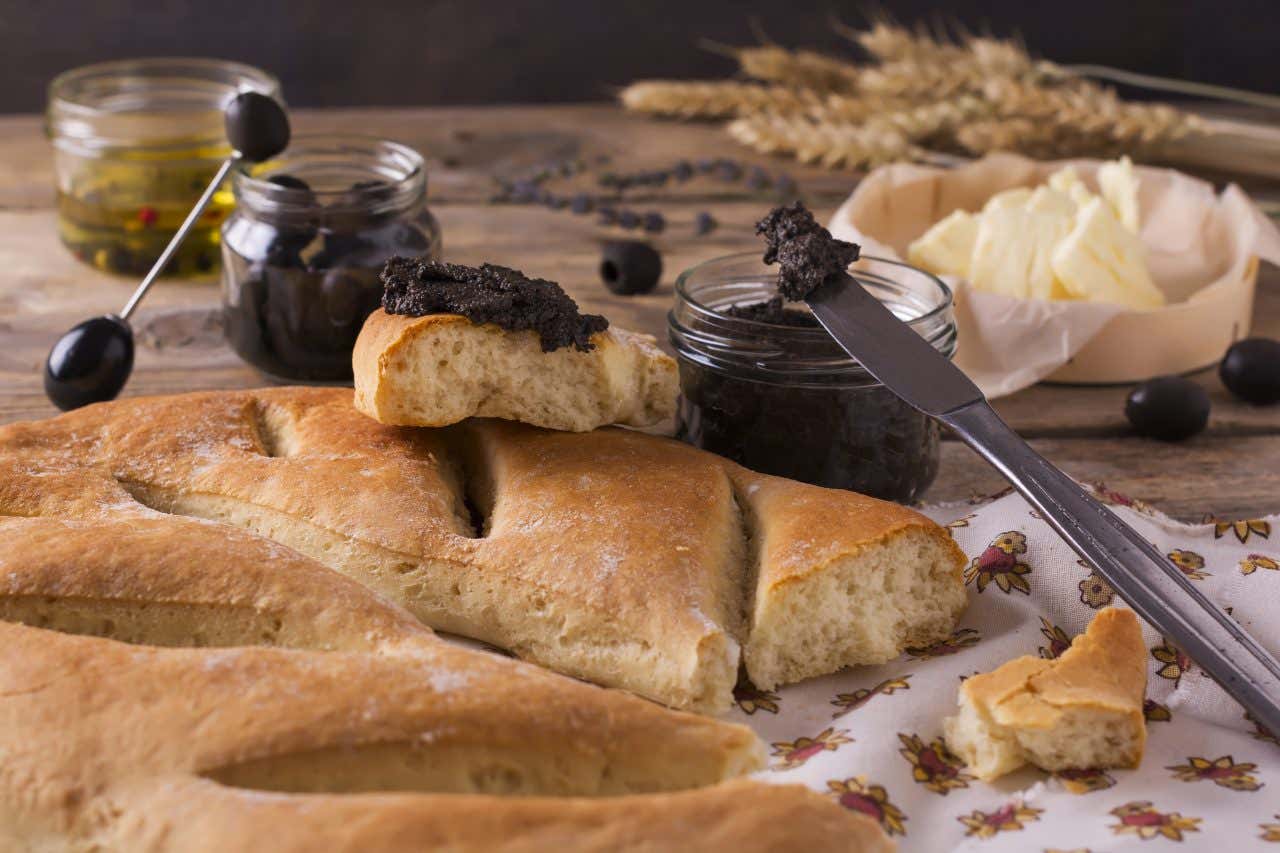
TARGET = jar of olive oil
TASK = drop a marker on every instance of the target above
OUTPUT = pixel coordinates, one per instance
(135, 144)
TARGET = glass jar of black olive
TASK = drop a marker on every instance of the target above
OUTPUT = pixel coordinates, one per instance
(767, 387)
(303, 250)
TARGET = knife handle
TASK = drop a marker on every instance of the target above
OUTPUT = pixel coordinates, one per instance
(1150, 584)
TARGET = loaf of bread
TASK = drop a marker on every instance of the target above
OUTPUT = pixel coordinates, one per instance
(439, 369)
(1083, 710)
(228, 693)
(621, 558)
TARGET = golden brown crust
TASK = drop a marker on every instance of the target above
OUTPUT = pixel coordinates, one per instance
(1104, 670)
(137, 748)
(805, 528)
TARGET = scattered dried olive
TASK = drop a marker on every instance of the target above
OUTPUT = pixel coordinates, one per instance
(704, 223)
(728, 170)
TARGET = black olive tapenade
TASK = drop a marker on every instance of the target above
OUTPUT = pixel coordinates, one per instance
(805, 252)
(489, 294)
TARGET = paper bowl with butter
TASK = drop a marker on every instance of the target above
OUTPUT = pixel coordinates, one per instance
(1078, 271)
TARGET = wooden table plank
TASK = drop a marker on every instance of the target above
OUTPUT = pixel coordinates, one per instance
(1233, 469)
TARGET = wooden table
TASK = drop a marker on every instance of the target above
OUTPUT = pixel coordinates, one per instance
(1232, 470)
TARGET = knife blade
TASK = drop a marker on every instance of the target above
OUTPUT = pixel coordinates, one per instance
(909, 366)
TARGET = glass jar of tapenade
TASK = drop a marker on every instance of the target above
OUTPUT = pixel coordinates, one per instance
(303, 250)
(771, 390)
(135, 144)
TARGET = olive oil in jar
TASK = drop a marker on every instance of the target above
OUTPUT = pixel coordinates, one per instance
(135, 145)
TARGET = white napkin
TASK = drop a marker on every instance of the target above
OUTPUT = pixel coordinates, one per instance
(871, 735)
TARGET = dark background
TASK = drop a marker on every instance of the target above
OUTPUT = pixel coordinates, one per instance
(400, 52)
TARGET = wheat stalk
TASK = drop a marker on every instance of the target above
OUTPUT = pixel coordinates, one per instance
(722, 99)
(1078, 118)
(831, 144)
(822, 137)
(977, 95)
(800, 68)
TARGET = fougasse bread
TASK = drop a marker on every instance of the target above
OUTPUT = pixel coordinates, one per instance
(227, 693)
(621, 558)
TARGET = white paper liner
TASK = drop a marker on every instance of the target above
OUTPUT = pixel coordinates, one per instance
(1201, 248)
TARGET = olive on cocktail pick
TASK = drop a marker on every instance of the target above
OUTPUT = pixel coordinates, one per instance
(92, 361)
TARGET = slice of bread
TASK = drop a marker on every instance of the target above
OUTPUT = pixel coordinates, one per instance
(1081, 711)
(840, 579)
(441, 369)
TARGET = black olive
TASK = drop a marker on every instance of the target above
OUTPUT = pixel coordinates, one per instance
(295, 228)
(243, 314)
(1251, 370)
(582, 204)
(343, 297)
(90, 363)
(629, 267)
(290, 182)
(704, 223)
(284, 251)
(257, 126)
(1169, 408)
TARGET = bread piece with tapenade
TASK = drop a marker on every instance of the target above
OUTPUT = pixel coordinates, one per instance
(454, 342)
(1083, 710)
(442, 368)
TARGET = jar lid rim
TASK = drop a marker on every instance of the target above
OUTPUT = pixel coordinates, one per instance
(406, 176)
(104, 105)
(943, 304)
(243, 73)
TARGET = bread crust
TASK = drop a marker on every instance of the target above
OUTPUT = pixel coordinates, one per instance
(119, 748)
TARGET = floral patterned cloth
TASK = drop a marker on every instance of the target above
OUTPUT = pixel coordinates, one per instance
(871, 737)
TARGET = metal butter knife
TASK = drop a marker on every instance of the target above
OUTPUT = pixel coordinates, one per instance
(908, 365)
